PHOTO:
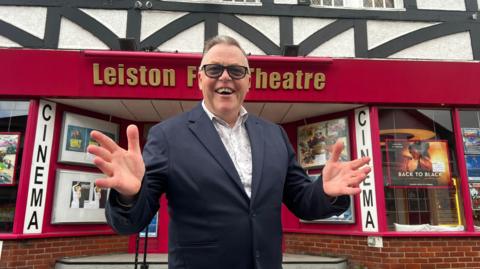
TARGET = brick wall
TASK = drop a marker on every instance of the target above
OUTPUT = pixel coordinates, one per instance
(397, 252)
(42, 253)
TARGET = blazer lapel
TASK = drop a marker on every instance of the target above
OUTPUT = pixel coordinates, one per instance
(255, 133)
(202, 127)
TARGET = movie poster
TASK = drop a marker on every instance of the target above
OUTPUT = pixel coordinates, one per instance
(471, 140)
(473, 167)
(475, 195)
(315, 141)
(418, 163)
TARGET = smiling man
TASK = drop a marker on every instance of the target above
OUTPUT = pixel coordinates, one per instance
(225, 174)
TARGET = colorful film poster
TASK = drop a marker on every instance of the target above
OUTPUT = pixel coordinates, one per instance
(418, 163)
(471, 140)
(473, 167)
(76, 138)
(475, 195)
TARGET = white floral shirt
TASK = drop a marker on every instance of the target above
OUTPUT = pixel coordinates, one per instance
(237, 143)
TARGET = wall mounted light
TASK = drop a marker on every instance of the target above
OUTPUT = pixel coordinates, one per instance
(127, 44)
(290, 50)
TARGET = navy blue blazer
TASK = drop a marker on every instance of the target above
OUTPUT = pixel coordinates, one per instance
(213, 223)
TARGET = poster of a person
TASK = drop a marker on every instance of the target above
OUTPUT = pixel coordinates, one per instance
(80, 194)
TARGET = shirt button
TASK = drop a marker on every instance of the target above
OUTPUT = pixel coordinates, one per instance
(257, 254)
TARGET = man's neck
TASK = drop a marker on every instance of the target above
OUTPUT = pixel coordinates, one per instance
(230, 119)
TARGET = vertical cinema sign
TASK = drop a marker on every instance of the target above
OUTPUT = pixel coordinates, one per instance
(368, 199)
(37, 186)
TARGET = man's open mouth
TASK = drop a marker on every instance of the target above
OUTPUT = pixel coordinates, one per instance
(224, 91)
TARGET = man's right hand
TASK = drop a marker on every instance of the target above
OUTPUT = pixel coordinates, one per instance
(124, 169)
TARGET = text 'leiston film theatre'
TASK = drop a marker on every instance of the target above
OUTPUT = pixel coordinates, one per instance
(416, 115)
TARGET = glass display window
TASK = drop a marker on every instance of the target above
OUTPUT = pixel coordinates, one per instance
(420, 176)
(13, 122)
(470, 129)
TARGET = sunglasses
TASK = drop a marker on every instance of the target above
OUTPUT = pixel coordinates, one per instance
(216, 70)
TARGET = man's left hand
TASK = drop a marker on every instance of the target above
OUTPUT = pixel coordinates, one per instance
(343, 178)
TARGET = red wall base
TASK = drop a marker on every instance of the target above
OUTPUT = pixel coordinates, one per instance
(42, 253)
(397, 253)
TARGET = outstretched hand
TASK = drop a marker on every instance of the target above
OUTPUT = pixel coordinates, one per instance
(343, 178)
(124, 169)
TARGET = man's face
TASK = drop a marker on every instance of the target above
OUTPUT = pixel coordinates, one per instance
(224, 96)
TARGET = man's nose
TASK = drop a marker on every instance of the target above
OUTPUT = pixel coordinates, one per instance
(225, 75)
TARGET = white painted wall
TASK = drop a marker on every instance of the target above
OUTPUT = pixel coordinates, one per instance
(30, 19)
(380, 32)
(152, 21)
(441, 4)
(189, 41)
(7, 43)
(248, 46)
(268, 25)
(305, 27)
(115, 20)
(451, 47)
(72, 36)
(341, 45)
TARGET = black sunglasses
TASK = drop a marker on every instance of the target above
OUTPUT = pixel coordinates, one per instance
(216, 70)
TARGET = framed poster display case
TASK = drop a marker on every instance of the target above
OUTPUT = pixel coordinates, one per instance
(8, 157)
(418, 163)
(314, 142)
(77, 199)
(75, 137)
(346, 217)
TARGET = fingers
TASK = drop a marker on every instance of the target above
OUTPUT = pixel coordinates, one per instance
(104, 166)
(355, 178)
(104, 141)
(355, 164)
(100, 152)
(104, 182)
(133, 139)
(336, 151)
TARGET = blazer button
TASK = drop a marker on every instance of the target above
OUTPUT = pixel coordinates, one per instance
(257, 254)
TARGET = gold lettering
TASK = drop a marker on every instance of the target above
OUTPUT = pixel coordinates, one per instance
(261, 79)
(168, 77)
(288, 81)
(132, 79)
(143, 80)
(274, 80)
(121, 74)
(110, 76)
(191, 75)
(308, 77)
(96, 75)
(319, 81)
(154, 77)
(299, 79)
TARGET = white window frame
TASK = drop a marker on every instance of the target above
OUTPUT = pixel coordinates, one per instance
(358, 4)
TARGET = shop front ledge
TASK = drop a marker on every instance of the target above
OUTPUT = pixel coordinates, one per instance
(159, 261)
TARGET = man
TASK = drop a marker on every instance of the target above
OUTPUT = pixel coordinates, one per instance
(225, 174)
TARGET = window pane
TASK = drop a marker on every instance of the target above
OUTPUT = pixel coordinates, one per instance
(13, 122)
(470, 125)
(367, 3)
(389, 3)
(338, 3)
(420, 174)
(327, 2)
(378, 3)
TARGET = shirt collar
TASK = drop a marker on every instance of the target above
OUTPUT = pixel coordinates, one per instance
(243, 114)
